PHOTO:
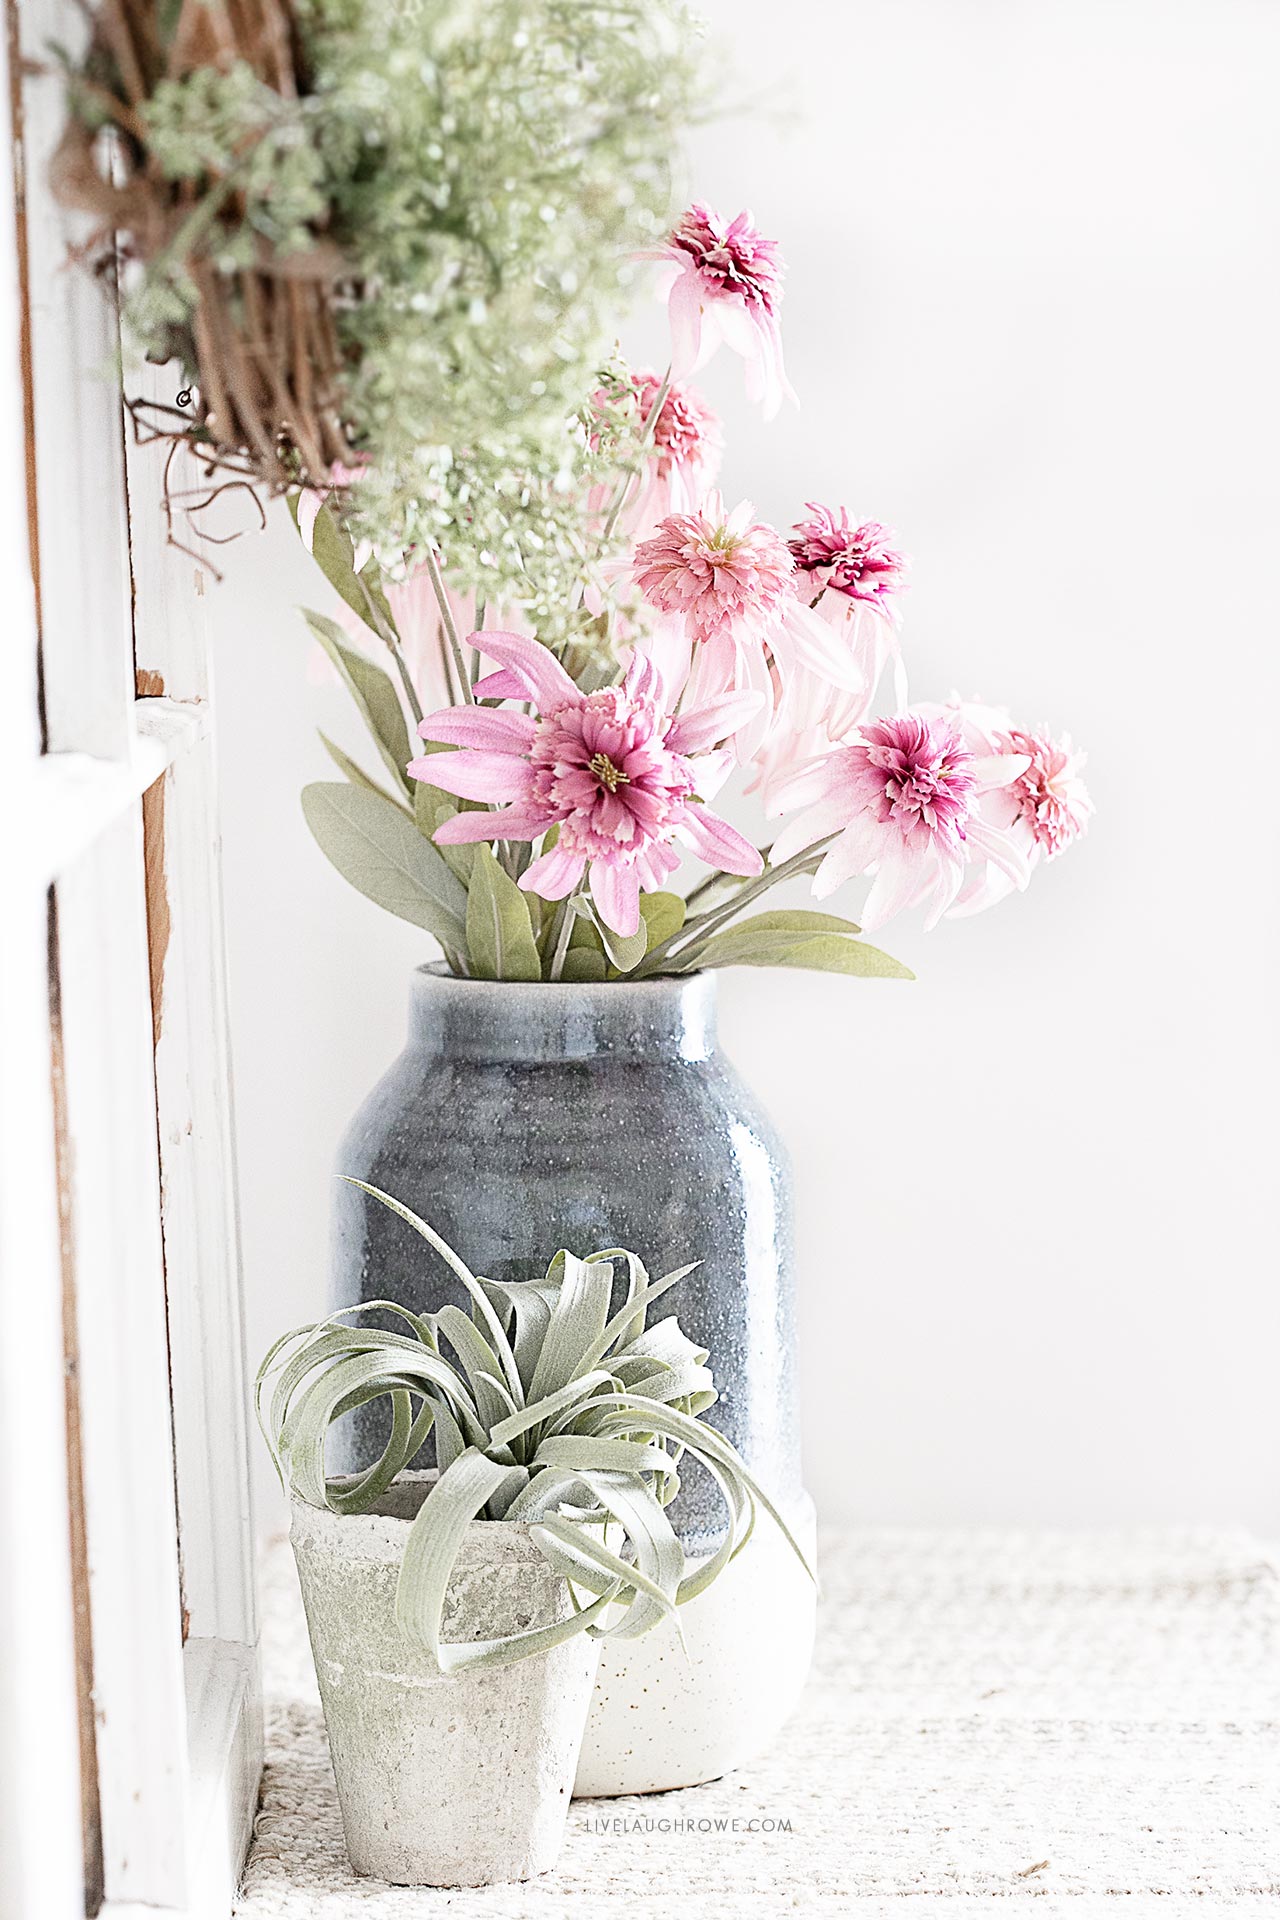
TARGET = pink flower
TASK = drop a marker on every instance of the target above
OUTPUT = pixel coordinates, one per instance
(1043, 810)
(720, 574)
(725, 585)
(851, 574)
(617, 774)
(726, 286)
(687, 441)
(1049, 800)
(857, 561)
(902, 801)
(683, 456)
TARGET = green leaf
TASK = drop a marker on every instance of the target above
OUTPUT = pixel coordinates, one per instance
(796, 920)
(584, 963)
(334, 554)
(432, 806)
(500, 942)
(624, 950)
(746, 946)
(374, 693)
(663, 915)
(354, 772)
(374, 846)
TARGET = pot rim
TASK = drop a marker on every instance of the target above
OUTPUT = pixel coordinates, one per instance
(383, 1536)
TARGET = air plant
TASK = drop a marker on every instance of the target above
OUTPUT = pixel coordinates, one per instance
(551, 1413)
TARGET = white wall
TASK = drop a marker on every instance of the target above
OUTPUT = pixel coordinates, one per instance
(1032, 314)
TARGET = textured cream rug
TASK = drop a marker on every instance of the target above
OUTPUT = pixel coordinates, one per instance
(1063, 1724)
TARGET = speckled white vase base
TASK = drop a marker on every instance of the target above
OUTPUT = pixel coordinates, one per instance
(661, 1717)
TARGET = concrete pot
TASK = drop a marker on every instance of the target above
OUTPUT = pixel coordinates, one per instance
(660, 1719)
(447, 1782)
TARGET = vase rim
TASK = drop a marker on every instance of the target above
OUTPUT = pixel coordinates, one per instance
(439, 970)
(553, 1021)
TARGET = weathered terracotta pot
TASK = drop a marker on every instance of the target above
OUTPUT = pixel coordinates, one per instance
(445, 1782)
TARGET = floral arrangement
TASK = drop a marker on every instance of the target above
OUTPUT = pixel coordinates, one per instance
(377, 233)
(551, 1413)
(569, 767)
(380, 241)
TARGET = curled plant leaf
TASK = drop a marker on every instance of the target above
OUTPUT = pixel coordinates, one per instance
(552, 1412)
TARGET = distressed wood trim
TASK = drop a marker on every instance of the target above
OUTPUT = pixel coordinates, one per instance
(90, 1806)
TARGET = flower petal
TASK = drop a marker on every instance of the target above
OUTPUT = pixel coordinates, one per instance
(525, 820)
(616, 892)
(553, 875)
(716, 720)
(719, 844)
(474, 776)
(480, 727)
(540, 674)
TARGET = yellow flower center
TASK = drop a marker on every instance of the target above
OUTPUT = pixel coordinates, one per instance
(603, 769)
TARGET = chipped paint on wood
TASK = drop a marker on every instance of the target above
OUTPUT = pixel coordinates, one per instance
(159, 923)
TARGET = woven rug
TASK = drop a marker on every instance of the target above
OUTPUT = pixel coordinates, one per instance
(1060, 1724)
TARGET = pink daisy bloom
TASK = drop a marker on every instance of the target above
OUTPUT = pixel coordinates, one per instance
(853, 574)
(725, 586)
(683, 456)
(903, 800)
(621, 778)
(1044, 810)
(857, 561)
(725, 281)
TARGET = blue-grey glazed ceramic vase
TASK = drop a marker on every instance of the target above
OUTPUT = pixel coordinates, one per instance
(524, 1118)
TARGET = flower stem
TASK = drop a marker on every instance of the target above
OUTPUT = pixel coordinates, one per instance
(562, 927)
(450, 625)
(642, 446)
(391, 641)
(678, 945)
(717, 879)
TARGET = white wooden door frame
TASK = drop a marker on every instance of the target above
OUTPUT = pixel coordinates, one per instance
(125, 1529)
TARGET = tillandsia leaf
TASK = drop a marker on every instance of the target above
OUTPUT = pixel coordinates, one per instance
(500, 942)
(383, 856)
(374, 694)
(823, 953)
(552, 1414)
(480, 1364)
(578, 1320)
(538, 1412)
(354, 772)
(658, 1553)
(594, 1565)
(632, 1311)
(496, 1331)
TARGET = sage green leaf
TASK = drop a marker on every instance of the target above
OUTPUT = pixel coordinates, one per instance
(432, 806)
(334, 554)
(663, 915)
(795, 920)
(375, 847)
(500, 942)
(746, 946)
(374, 693)
(493, 1326)
(354, 772)
(584, 963)
(624, 950)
